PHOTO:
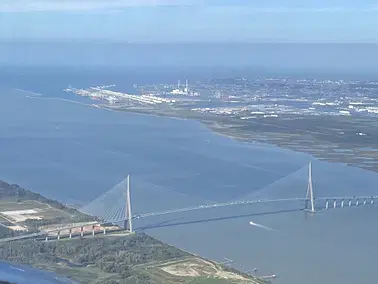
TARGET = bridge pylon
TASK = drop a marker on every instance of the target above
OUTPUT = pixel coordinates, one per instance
(310, 199)
(128, 225)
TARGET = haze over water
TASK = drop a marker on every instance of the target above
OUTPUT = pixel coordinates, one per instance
(74, 153)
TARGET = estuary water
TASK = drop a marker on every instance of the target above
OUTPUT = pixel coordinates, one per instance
(74, 152)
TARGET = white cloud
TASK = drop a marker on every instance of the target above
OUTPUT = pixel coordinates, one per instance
(116, 5)
(250, 9)
(79, 5)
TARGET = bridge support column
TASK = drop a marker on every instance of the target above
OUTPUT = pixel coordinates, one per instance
(365, 201)
(58, 236)
(342, 203)
(47, 238)
(93, 230)
(350, 203)
(128, 225)
(334, 204)
(357, 202)
(82, 231)
(372, 201)
(326, 205)
(310, 200)
(104, 231)
(70, 234)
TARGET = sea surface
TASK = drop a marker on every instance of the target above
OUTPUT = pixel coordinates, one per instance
(73, 152)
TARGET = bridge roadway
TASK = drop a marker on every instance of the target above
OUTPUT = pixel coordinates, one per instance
(188, 209)
(244, 202)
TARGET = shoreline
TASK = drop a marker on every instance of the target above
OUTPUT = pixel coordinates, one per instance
(225, 270)
(218, 128)
(317, 157)
(232, 128)
(217, 125)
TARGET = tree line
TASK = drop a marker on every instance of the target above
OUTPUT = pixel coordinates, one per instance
(115, 255)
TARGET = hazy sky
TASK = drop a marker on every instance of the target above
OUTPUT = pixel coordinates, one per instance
(191, 20)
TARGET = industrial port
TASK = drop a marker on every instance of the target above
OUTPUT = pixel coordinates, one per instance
(248, 99)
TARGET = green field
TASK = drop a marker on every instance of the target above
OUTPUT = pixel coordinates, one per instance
(44, 211)
(193, 270)
(209, 280)
(12, 204)
(82, 274)
(102, 259)
(96, 275)
(136, 258)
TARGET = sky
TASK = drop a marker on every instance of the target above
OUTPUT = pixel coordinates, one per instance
(190, 20)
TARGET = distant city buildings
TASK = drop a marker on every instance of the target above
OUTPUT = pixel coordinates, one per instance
(254, 98)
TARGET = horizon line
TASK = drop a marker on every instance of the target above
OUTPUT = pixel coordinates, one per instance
(121, 41)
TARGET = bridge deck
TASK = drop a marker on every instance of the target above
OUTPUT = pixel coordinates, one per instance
(193, 208)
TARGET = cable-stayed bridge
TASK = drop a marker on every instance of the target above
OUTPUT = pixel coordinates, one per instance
(114, 206)
(118, 213)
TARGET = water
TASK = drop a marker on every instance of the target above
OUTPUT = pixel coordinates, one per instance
(74, 153)
(15, 273)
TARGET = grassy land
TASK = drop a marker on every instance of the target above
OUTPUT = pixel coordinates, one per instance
(12, 204)
(194, 270)
(136, 258)
(45, 211)
(209, 280)
(103, 259)
(341, 139)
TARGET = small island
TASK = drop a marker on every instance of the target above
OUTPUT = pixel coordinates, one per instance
(117, 257)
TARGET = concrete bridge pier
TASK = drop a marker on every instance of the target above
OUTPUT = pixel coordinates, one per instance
(58, 236)
(128, 224)
(357, 202)
(47, 238)
(326, 205)
(350, 203)
(82, 231)
(342, 203)
(93, 230)
(104, 231)
(334, 204)
(310, 199)
(365, 201)
(70, 235)
(372, 201)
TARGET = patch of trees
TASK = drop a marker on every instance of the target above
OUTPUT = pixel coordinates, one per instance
(34, 223)
(7, 233)
(4, 232)
(115, 255)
